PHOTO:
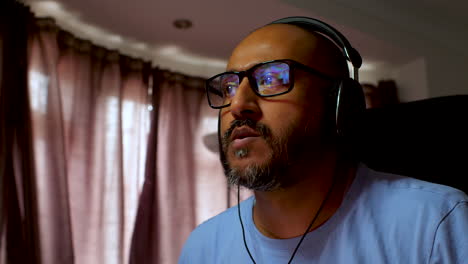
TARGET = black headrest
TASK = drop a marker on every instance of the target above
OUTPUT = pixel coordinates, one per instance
(425, 139)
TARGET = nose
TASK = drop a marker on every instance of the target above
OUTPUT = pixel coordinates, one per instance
(244, 104)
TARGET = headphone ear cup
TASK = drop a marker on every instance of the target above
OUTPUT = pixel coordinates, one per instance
(350, 104)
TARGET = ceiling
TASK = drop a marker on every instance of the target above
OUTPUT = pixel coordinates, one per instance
(385, 32)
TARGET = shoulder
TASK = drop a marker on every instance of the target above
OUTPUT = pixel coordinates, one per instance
(450, 243)
(432, 218)
(211, 227)
(406, 204)
(211, 236)
(411, 192)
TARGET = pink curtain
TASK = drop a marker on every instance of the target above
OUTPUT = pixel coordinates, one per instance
(77, 150)
(187, 186)
(90, 122)
(18, 234)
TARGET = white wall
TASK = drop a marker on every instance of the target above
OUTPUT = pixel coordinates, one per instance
(439, 72)
(447, 72)
(434, 32)
(411, 80)
(374, 75)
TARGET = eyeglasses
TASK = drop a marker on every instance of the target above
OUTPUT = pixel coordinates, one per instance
(267, 79)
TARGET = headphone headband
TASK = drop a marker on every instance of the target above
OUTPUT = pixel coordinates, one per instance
(349, 52)
(349, 98)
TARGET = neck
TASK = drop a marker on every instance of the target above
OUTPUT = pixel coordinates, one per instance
(287, 212)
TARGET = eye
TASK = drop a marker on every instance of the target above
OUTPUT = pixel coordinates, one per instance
(228, 84)
(229, 88)
(269, 79)
(272, 78)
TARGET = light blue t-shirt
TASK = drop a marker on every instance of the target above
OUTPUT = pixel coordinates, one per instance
(384, 218)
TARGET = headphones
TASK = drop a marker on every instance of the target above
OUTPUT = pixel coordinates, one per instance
(348, 99)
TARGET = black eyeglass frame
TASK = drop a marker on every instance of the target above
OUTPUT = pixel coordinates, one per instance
(253, 84)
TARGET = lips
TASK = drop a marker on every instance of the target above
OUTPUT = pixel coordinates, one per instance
(243, 132)
(243, 136)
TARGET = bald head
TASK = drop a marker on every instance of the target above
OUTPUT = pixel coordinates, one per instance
(282, 41)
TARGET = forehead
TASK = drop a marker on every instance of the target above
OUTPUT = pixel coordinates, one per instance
(281, 41)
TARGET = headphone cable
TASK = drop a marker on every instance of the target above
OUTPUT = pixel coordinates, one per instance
(303, 236)
(242, 225)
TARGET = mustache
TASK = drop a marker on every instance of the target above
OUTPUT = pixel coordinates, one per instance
(260, 128)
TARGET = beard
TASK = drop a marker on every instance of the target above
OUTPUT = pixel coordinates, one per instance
(269, 175)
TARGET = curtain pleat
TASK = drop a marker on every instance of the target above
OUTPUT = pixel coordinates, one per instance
(102, 156)
(19, 240)
(73, 168)
(146, 223)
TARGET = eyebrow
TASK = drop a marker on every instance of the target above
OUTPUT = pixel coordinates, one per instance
(249, 65)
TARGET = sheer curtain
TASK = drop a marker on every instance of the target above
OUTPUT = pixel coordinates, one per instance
(77, 150)
(187, 186)
(18, 234)
(90, 122)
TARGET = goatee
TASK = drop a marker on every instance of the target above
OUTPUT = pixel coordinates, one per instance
(267, 176)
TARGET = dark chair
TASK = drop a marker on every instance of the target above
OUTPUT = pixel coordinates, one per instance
(425, 139)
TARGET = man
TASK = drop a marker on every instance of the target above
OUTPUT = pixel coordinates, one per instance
(313, 203)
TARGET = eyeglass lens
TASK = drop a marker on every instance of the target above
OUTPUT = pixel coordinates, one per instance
(270, 79)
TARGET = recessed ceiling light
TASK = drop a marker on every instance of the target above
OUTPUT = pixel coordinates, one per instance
(182, 23)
